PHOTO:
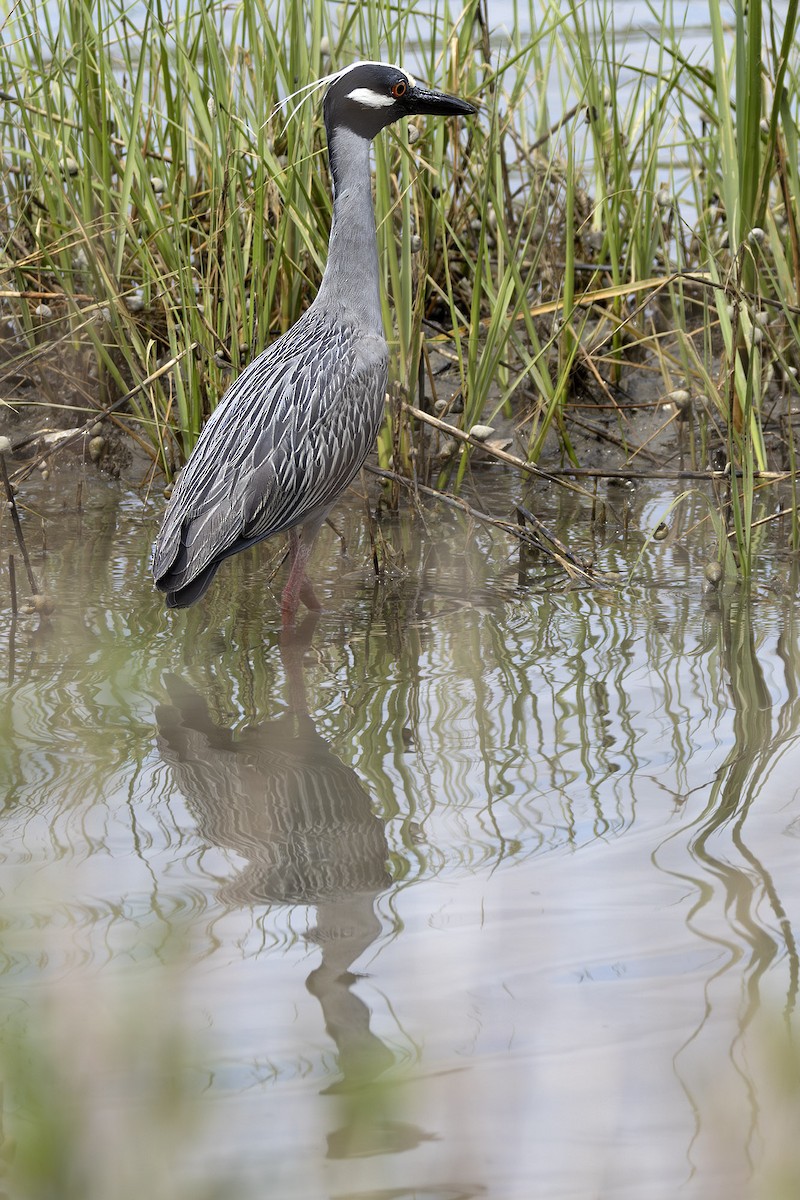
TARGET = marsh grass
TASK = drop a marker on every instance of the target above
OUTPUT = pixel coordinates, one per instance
(608, 212)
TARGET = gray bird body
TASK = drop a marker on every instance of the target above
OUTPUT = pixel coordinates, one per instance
(290, 437)
(293, 430)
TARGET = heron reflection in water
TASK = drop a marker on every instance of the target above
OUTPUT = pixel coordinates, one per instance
(303, 822)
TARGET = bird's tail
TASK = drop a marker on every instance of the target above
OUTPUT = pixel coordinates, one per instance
(187, 593)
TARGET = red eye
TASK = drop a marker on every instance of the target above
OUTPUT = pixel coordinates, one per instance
(399, 89)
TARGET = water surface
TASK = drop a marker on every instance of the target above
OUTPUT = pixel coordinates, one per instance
(484, 886)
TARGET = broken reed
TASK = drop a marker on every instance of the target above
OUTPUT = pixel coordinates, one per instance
(153, 199)
(11, 505)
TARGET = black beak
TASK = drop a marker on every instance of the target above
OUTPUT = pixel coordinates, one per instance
(426, 102)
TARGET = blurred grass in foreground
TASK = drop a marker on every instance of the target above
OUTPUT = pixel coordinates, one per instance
(104, 1094)
(102, 1088)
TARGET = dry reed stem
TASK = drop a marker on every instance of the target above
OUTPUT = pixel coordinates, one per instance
(501, 455)
(12, 508)
(545, 542)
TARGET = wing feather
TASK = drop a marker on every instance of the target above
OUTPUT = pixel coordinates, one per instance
(285, 441)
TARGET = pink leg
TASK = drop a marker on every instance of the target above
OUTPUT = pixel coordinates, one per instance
(298, 586)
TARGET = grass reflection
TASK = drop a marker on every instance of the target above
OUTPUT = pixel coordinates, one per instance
(762, 734)
(727, 873)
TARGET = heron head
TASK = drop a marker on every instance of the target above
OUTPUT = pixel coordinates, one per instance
(368, 96)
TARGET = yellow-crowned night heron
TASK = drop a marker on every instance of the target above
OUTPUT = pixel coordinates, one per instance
(294, 429)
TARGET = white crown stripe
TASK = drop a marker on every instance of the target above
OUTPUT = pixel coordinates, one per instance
(370, 99)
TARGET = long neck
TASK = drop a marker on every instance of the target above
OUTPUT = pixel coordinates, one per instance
(351, 275)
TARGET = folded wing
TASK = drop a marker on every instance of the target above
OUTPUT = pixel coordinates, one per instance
(285, 441)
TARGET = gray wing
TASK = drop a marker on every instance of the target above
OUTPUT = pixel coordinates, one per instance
(285, 441)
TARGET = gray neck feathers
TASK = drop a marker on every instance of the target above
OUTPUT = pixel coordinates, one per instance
(351, 275)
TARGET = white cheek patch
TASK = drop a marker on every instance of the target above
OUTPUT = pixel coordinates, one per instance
(370, 99)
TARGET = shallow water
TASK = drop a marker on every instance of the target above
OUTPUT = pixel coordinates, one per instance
(489, 888)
